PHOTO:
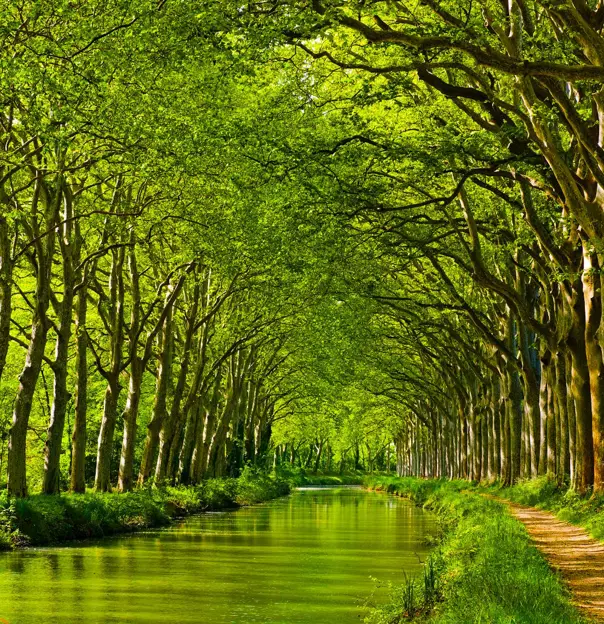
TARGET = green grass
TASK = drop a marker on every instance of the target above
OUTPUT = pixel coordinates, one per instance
(543, 493)
(41, 519)
(485, 569)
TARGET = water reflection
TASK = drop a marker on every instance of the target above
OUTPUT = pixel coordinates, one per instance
(306, 558)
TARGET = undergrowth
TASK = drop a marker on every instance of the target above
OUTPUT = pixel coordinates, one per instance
(298, 477)
(485, 569)
(41, 519)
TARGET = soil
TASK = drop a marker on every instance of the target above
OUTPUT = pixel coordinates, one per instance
(577, 557)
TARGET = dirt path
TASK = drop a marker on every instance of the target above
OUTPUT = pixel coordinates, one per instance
(570, 550)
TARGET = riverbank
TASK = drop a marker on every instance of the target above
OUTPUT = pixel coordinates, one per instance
(40, 519)
(484, 569)
(301, 478)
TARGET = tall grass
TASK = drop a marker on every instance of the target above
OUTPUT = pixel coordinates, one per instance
(41, 519)
(485, 569)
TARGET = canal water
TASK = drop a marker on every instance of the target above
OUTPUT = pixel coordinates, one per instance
(317, 556)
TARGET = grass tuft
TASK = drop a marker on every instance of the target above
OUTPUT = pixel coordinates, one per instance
(485, 569)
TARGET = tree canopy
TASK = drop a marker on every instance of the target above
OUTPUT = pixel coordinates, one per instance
(322, 234)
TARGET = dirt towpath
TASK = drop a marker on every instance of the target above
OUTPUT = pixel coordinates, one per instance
(570, 550)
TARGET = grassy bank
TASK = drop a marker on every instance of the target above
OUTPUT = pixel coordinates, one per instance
(544, 493)
(300, 478)
(485, 568)
(39, 519)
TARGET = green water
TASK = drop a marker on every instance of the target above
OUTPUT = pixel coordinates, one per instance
(307, 558)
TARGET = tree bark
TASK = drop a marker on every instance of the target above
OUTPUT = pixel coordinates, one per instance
(45, 247)
(61, 395)
(164, 375)
(78, 439)
(580, 386)
(102, 481)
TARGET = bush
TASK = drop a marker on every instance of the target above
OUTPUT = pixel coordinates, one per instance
(42, 519)
(416, 490)
(10, 536)
(298, 477)
(255, 486)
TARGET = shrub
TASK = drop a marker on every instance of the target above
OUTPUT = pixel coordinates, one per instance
(298, 477)
(45, 519)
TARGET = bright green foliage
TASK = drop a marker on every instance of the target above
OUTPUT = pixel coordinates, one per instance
(299, 477)
(485, 568)
(41, 519)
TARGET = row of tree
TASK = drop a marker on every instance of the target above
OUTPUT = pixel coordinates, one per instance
(141, 336)
(465, 153)
(300, 229)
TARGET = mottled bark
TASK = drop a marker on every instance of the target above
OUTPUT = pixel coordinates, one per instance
(572, 429)
(61, 395)
(163, 378)
(515, 426)
(170, 438)
(102, 481)
(44, 253)
(137, 368)
(544, 413)
(6, 290)
(139, 354)
(78, 439)
(580, 387)
(532, 411)
(595, 363)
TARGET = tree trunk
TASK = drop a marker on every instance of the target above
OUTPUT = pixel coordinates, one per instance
(515, 427)
(593, 352)
(545, 391)
(580, 386)
(16, 467)
(318, 459)
(61, 396)
(130, 416)
(6, 291)
(102, 481)
(164, 374)
(78, 439)
(572, 429)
